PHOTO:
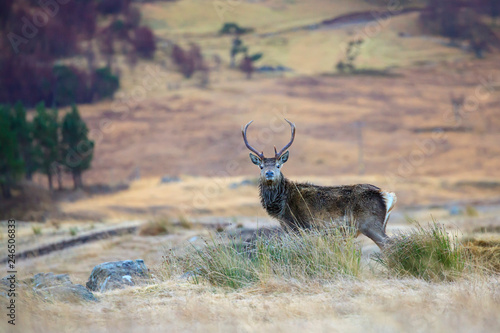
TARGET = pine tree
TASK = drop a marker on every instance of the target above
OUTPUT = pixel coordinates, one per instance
(24, 135)
(77, 149)
(11, 163)
(45, 133)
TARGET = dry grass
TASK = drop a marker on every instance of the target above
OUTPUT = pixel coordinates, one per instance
(373, 305)
(486, 251)
(155, 227)
(185, 223)
(307, 257)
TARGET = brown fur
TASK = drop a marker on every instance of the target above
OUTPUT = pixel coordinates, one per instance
(306, 206)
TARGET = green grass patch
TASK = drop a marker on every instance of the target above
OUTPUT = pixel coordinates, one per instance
(311, 256)
(36, 230)
(426, 253)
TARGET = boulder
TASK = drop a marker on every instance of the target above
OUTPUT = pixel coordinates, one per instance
(51, 287)
(118, 275)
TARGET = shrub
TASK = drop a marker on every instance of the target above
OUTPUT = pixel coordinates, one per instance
(70, 85)
(104, 83)
(36, 230)
(471, 211)
(306, 256)
(73, 231)
(159, 226)
(144, 42)
(112, 6)
(188, 61)
(246, 65)
(351, 53)
(185, 223)
(233, 28)
(425, 253)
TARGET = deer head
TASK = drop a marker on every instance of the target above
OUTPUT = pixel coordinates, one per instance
(269, 167)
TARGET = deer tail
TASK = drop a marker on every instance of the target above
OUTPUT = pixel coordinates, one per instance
(390, 200)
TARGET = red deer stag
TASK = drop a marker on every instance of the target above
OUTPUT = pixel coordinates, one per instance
(305, 206)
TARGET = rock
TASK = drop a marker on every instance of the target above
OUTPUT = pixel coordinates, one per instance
(455, 210)
(117, 275)
(60, 288)
(246, 182)
(169, 179)
(7, 283)
(52, 288)
(46, 280)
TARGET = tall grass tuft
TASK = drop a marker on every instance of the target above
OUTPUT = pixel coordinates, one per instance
(157, 226)
(426, 253)
(311, 256)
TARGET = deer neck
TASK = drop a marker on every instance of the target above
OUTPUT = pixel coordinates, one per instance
(273, 196)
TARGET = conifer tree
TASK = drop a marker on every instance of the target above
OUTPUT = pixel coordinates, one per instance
(77, 148)
(11, 163)
(45, 134)
(24, 135)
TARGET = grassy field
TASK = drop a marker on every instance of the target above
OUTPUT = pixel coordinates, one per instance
(344, 305)
(286, 294)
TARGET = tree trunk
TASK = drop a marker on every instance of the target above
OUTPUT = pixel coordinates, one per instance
(6, 194)
(49, 178)
(59, 178)
(77, 179)
(80, 181)
(28, 165)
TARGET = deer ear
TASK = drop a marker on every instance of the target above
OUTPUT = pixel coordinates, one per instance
(284, 157)
(255, 159)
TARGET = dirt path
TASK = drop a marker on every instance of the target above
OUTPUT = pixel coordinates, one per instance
(350, 19)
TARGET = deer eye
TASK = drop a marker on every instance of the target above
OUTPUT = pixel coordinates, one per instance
(261, 166)
(278, 166)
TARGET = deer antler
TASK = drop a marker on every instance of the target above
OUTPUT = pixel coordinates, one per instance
(244, 133)
(278, 154)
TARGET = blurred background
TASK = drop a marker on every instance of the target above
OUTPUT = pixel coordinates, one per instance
(117, 113)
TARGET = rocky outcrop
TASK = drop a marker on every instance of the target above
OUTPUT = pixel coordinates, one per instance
(118, 275)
